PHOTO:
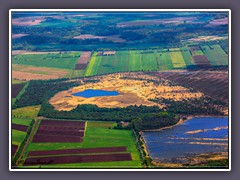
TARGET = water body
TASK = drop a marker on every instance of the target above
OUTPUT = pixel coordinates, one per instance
(195, 136)
(88, 93)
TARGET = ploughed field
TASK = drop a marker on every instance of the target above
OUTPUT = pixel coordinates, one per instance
(16, 89)
(60, 131)
(213, 83)
(101, 146)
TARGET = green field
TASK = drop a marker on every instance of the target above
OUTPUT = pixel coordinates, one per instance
(26, 112)
(25, 122)
(177, 59)
(59, 60)
(15, 81)
(98, 134)
(187, 56)
(18, 137)
(215, 54)
(93, 65)
(164, 61)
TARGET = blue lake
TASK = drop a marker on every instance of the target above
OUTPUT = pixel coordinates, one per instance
(88, 93)
(195, 136)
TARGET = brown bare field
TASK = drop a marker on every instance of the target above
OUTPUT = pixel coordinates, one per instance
(207, 38)
(60, 131)
(106, 53)
(88, 36)
(25, 76)
(134, 91)
(194, 48)
(14, 36)
(213, 83)
(15, 52)
(78, 159)
(78, 151)
(218, 22)
(201, 60)
(27, 21)
(83, 60)
(53, 72)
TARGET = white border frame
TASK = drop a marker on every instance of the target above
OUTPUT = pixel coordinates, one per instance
(118, 10)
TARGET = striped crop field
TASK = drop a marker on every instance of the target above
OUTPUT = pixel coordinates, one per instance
(187, 56)
(215, 54)
(164, 61)
(177, 59)
(93, 65)
(135, 62)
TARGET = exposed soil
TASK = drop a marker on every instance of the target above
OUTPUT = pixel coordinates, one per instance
(78, 159)
(78, 151)
(16, 89)
(134, 89)
(19, 127)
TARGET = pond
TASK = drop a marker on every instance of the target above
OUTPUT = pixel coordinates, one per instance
(88, 93)
(195, 136)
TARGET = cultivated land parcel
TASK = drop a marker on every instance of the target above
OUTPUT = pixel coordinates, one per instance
(166, 67)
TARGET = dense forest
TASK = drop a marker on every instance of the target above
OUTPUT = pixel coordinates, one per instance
(49, 34)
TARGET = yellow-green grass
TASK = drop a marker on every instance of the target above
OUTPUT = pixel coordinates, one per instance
(187, 56)
(77, 73)
(16, 81)
(24, 121)
(98, 134)
(18, 137)
(135, 62)
(93, 65)
(149, 62)
(26, 112)
(215, 54)
(61, 60)
(164, 61)
(177, 60)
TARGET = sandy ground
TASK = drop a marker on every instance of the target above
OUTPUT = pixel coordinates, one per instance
(132, 92)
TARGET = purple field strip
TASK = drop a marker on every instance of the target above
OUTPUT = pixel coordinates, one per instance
(13, 149)
(77, 159)
(194, 48)
(84, 58)
(61, 133)
(81, 66)
(60, 128)
(19, 127)
(201, 60)
(78, 151)
(16, 88)
(63, 123)
(54, 138)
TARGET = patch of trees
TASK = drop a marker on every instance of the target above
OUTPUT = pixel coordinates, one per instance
(201, 106)
(93, 112)
(155, 121)
(38, 90)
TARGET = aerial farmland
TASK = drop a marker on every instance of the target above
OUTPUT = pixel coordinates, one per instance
(111, 90)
